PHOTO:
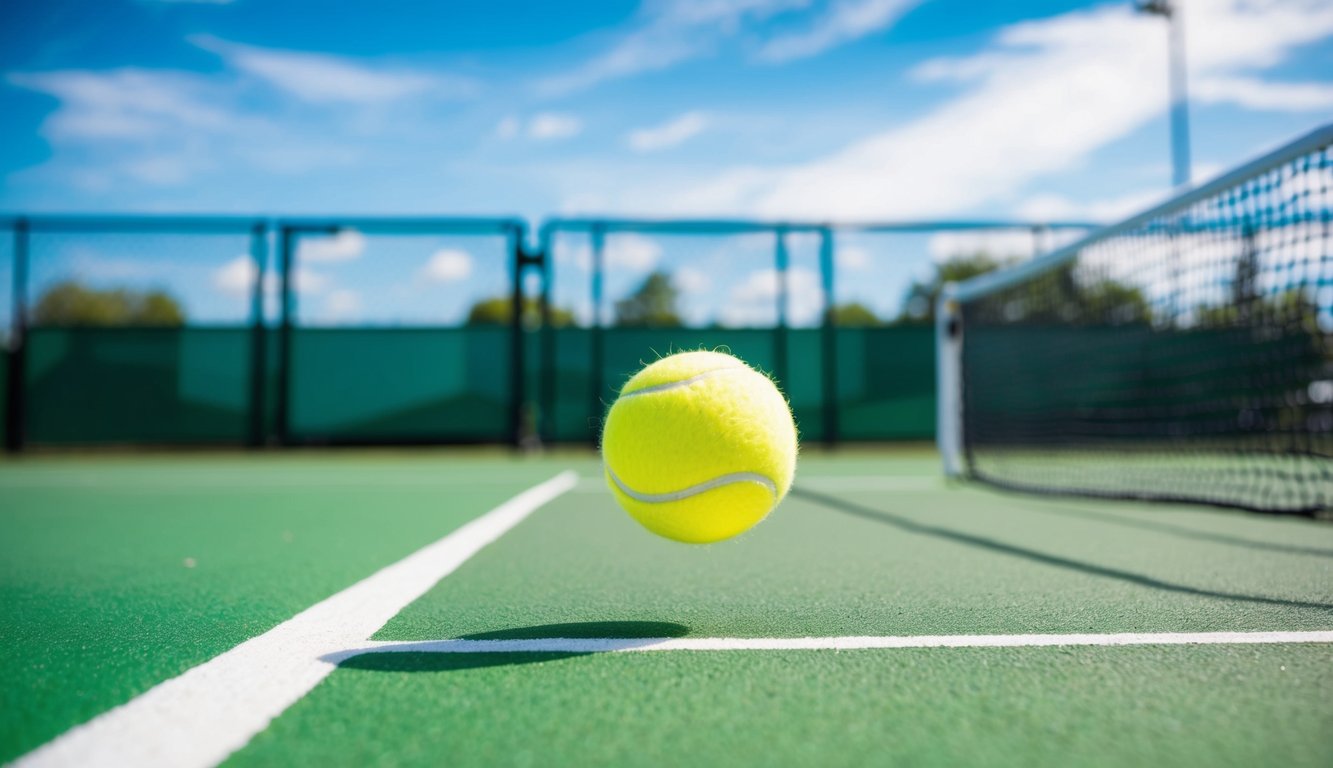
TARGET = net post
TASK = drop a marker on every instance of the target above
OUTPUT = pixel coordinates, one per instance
(258, 332)
(948, 362)
(15, 421)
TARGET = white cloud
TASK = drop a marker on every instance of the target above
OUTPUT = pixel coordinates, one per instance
(237, 277)
(125, 104)
(1037, 102)
(851, 257)
(634, 252)
(843, 22)
(691, 280)
(162, 128)
(550, 126)
(754, 300)
(345, 245)
(627, 251)
(324, 79)
(1257, 94)
(667, 33)
(448, 265)
(1002, 244)
(342, 304)
(669, 134)
(1052, 207)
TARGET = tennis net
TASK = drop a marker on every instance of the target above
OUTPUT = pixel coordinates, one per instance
(1184, 354)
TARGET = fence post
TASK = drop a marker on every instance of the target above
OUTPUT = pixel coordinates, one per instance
(780, 332)
(517, 379)
(829, 333)
(282, 408)
(258, 335)
(595, 341)
(15, 405)
(546, 425)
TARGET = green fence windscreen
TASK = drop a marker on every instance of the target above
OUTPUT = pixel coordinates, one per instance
(885, 376)
(191, 385)
(385, 384)
(137, 385)
(886, 383)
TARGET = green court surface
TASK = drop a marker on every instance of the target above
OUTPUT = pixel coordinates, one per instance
(121, 572)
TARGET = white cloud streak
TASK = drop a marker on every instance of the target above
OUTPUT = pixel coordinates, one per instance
(345, 245)
(1263, 95)
(844, 22)
(324, 79)
(754, 300)
(626, 251)
(1037, 102)
(667, 33)
(237, 278)
(125, 104)
(553, 126)
(448, 265)
(669, 134)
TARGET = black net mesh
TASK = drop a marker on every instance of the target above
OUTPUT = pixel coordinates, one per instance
(1186, 354)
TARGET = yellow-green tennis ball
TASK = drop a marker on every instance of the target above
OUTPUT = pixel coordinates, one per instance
(699, 447)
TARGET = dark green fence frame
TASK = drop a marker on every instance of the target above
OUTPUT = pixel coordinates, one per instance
(274, 246)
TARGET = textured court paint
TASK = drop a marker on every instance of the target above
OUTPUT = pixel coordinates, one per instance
(1182, 706)
(899, 562)
(197, 719)
(100, 552)
(100, 599)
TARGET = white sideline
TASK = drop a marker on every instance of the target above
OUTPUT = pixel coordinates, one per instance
(214, 709)
(617, 645)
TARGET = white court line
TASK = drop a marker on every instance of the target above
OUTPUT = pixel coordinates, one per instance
(214, 709)
(617, 645)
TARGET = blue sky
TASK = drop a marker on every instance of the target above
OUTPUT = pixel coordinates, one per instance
(850, 109)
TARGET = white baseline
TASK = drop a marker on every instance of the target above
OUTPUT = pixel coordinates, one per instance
(214, 709)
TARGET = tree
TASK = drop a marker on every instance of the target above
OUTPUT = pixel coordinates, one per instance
(919, 303)
(71, 303)
(1059, 295)
(498, 310)
(653, 304)
(854, 315)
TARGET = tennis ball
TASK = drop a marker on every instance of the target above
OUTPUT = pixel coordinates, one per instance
(699, 447)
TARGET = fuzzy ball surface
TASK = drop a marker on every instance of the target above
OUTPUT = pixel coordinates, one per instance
(699, 447)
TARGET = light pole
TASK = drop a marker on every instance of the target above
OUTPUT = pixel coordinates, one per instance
(1180, 113)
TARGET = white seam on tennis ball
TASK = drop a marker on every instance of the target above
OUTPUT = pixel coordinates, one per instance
(694, 490)
(682, 382)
